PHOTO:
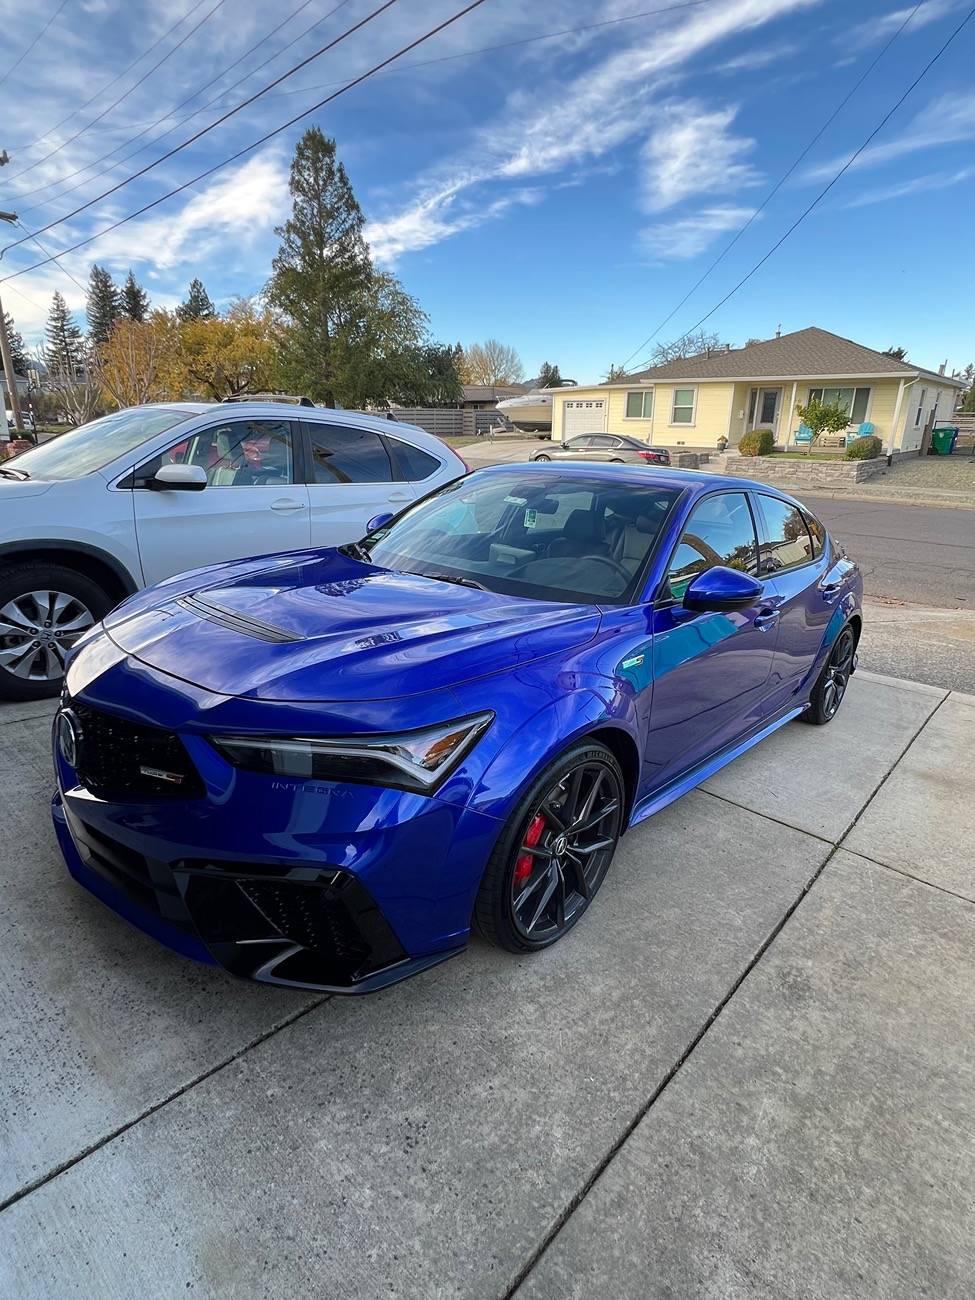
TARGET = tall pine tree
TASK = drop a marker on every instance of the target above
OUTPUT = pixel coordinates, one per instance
(135, 300)
(104, 304)
(65, 350)
(197, 305)
(18, 353)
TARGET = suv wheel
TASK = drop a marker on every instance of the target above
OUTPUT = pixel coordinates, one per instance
(44, 609)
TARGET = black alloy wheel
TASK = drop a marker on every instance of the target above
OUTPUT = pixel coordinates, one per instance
(827, 694)
(549, 864)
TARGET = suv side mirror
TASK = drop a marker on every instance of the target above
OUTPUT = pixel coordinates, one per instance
(721, 589)
(184, 478)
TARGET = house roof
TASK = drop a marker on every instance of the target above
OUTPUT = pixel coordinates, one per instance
(492, 392)
(804, 354)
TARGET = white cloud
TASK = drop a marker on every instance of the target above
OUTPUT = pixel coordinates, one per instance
(883, 26)
(435, 217)
(688, 236)
(917, 185)
(948, 119)
(760, 57)
(581, 120)
(690, 152)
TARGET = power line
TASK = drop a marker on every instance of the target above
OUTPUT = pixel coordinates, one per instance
(69, 274)
(846, 166)
(387, 4)
(114, 81)
(125, 94)
(424, 63)
(256, 144)
(19, 60)
(775, 188)
(89, 166)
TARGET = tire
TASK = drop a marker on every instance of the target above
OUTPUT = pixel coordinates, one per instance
(616, 461)
(535, 863)
(827, 695)
(541, 456)
(44, 609)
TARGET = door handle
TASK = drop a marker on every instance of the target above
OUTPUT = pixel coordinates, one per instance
(399, 496)
(766, 620)
(284, 505)
(830, 590)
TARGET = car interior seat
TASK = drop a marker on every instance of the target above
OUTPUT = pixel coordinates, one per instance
(275, 463)
(582, 534)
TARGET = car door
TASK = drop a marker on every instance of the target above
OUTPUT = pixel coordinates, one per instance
(252, 504)
(603, 447)
(573, 448)
(351, 478)
(794, 565)
(711, 671)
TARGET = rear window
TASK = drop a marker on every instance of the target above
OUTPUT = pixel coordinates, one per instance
(413, 463)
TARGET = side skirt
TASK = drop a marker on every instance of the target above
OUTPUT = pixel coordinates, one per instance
(659, 799)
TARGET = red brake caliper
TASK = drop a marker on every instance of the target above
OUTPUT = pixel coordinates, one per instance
(523, 863)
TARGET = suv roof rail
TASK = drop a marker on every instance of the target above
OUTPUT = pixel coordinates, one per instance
(287, 398)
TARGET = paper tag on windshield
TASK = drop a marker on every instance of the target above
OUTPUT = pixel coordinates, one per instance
(515, 501)
(530, 517)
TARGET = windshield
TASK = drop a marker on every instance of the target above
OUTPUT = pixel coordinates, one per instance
(84, 450)
(543, 535)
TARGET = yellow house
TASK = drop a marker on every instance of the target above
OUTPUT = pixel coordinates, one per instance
(692, 402)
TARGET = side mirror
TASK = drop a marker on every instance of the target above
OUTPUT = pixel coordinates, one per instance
(721, 589)
(184, 478)
(379, 521)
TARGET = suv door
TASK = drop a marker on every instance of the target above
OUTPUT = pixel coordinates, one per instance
(351, 478)
(711, 671)
(251, 505)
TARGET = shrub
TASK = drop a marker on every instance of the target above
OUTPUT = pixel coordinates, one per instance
(864, 448)
(760, 442)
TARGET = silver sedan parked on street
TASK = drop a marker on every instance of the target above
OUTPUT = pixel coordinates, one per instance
(614, 447)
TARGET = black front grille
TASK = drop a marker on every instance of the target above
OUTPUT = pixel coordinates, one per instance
(118, 759)
(307, 914)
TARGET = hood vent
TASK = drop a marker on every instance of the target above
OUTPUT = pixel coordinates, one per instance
(235, 621)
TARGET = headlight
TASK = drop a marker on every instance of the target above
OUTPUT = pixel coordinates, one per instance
(411, 760)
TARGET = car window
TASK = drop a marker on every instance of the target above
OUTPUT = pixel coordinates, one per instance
(577, 444)
(719, 531)
(83, 450)
(788, 542)
(603, 442)
(344, 454)
(817, 532)
(240, 453)
(413, 464)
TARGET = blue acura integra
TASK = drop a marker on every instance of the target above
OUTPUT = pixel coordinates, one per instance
(323, 768)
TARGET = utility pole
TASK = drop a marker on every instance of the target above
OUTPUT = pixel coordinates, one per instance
(8, 363)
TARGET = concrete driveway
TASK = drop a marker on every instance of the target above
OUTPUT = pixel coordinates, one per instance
(748, 1072)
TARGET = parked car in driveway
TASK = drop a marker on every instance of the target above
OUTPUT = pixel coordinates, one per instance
(321, 769)
(612, 447)
(135, 497)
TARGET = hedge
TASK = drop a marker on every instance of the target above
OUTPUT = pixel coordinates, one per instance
(760, 442)
(867, 448)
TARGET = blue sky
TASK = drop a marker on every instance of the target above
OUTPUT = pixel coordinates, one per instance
(561, 195)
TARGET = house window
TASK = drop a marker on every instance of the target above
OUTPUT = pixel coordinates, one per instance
(639, 406)
(854, 399)
(683, 408)
(920, 407)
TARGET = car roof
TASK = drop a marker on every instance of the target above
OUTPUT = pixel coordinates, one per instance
(697, 480)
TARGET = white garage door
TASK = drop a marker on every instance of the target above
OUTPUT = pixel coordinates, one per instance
(584, 417)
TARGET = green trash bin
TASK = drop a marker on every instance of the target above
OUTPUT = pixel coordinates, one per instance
(941, 440)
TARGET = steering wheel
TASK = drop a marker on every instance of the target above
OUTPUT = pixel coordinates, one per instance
(601, 559)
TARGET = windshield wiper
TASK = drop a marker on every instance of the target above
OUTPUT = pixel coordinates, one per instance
(356, 550)
(448, 577)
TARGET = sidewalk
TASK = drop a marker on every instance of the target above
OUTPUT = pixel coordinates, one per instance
(747, 1072)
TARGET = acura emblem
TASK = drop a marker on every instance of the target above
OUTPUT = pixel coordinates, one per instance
(67, 729)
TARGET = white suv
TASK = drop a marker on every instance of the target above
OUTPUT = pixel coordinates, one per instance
(130, 499)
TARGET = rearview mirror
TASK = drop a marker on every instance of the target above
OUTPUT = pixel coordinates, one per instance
(722, 589)
(185, 478)
(379, 521)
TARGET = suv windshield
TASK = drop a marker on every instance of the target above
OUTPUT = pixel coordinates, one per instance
(548, 536)
(84, 450)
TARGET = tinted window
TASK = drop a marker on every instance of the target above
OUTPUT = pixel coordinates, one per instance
(545, 537)
(413, 464)
(788, 542)
(576, 444)
(719, 531)
(344, 454)
(240, 453)
(603, 442)
(817, 532)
